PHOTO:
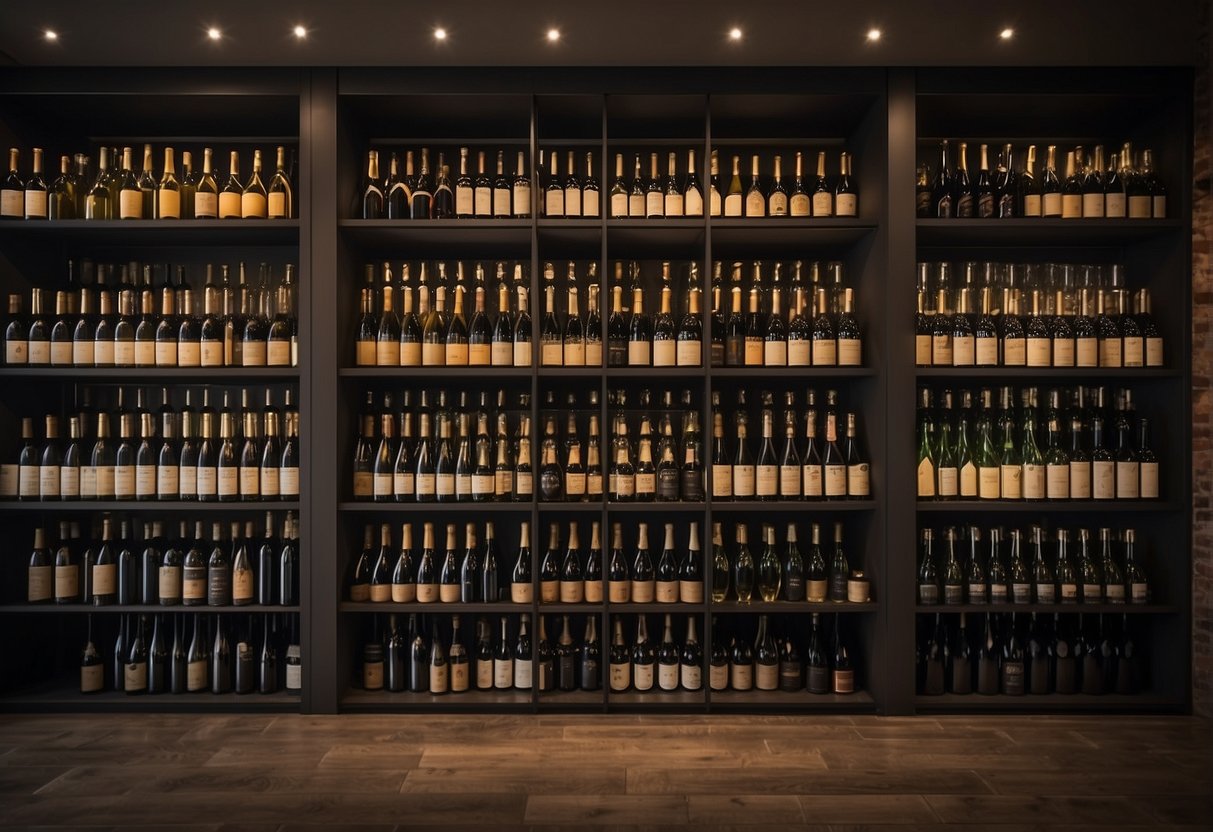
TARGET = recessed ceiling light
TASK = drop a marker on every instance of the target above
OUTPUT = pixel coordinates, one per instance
(51, 34)
(300, 32)
(874, 35)
(213, 33)
(735, 33)
(553, 35)
(1007, 33)
(440, 33)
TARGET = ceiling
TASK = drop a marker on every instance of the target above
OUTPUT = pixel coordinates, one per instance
(609, 33)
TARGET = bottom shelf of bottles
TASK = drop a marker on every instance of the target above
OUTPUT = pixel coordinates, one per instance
(517, 661)
(201, 660)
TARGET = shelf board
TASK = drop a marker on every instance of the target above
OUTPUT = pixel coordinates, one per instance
(473, 700)
(1043, 373)
(570, 609)
(434, 372)
(594, 373)
(159, 375)
(594, 506)
(792, 607)
(860, 700)
(1048, 506)
(569, 223)
(159, 232)
(442, 508)
(456, 608)
(654, 607)
(1112, 609)
(1050, 702)
(637, 237)
(146, 609)
(654, 372)
(557, 699)
(436, 235)
(794, 506)
(1039, 231)
(657, 698)
(64, 697)
(654, 506)
(792, 373)
(761, 233)
(147, 506)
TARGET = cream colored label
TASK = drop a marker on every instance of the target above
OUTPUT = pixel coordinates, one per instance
(410, 354)
(444, 485)
(692, 204)
(593, 353)
(689, 592)
(1039, 352)
(1057, 482)
(242, 584)
(1071, 206)
(130, 205)
(1149, 481)
(250, 481)
(92, 678)
(12, 202)
(207, 481)
(722, 480)
(288, 482)
(28, 481)
(1080, 480)
(17, 352)
(664, 353)
(823, 204)
(196, 676)
(459, 677)
(755, 205)
(124, 481)
(404, 593)
(949, 482)
(1109, 352)
(1033, 482)
(124, 354)
(621, 676)
(825, 353)
(963, 351)
(448, 593)
(189, 354)
(61, 353)
(88, 482)
(1128, 485)
(1134, 352)
(10, 479)
(253, 353)
(718, 676)
(779, 204)
(850, 352)
(654, 204)
(426, 593)
(107, 481)
(941, 350)
(789, 480)
(741, 676)
(800, 352)
(521, 593)
(364, 354)
(205, 205)
(465, 201)
(1139, 207)
(502, 354)
(456, 355)
(619, 205)
(67, 582)
(212, 353)
(642, 676)
(40, 352)
(35, 204)
(619, 592)
(811, 480)
(798, 205)
(69, 481)
(846, 205)
(1063, 352)
(169, 204)
(503, 673)
(1011, 482)
(689, 354)
(433, 355)
(228, 481)
(483, 201)
(753, 352)
(1086, 352)
(1052, 205)
(638, 353)
(767, 480)
(986, 351)
(276, 205)
(732, 205)
(643, 592)
(145, 354)
(522, 353)
(229, 206)
(743, 481)
(667, 676)
(987, 483)
(1031, 205)
(593, 592)
(1092, 205)
(40, 583)
(48, 481)
(1114, 205)
(1104, 480)
(479, 355)
(104, 578)
(666, 592)
(145, 480)
(252, 205)
(1154, 352)
(103, 353)
(858, 480)
(835, 480)
(968, 480)
(169, 581)
(1014, 352)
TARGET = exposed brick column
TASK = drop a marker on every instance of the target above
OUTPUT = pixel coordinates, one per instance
(1202, 381)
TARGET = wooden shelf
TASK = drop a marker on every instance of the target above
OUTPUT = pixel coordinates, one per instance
(363, 506)
(1048, 703)
(1094, 609)
(791, 374)
(1043, 374)
(140, 609)
(447, 374)
(653, 507)
(147, 506)
(470, 700)
(157, 232)
(656, 698)
(506, 236)
(1038, 231)
(776, 700)
(64, 697)
(792, 607)
(157, 375)
(675, 608)
(1048, 506)
(437, 608)
(797, 506)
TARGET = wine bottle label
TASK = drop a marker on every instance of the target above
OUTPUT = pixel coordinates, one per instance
(689, 592)
(188, 482)
(40, 582)
(228, 481)
(722, 480)
(482, 200)
(503, 673)
(1154, 357)
(208, 481)
(922, 350)
(858, 480)
(48, 481)
(189, 354)
(592, 354)
(104, 577)
(106, 482)
(667, 592)
(1114, 204)
(1012, 678)
(620, 592)
(799, 352)
(521, 593)
(643, 591)
(743, 482)
(664, 353)
(1092, 593)
(134, 676)
(404, 593)
(963, 351)
(427, 593)
(753, 352)
(67, 582)
(17, 352)
(522, 200)
(1021, 593)
(501, 202)
(1149, 481)
(501, 354)
(986, 352)
(572, 202)
(456, 355)
(624, 486)
(169, 582)
(253, 353)
(212, 353)
(1046, 593)
(130, 205)
(103, 353)
(1114, 593)
(987, 483)
(269, 482)
(942, 354)
(364, 482)
(1031, 205)
(219, 587)
(1063, 352)
(689, 354)
(40, 352)
(522, 353)
(61, 353)
(642, 676)
(459, 676)
(732, 205)
(789, 480)
(124, 354)
(571, 592)
(835, 480)
(1033, 482)
(1014, 352)
(479, 355)
(145, 480)
(553, 205)
(823, 204)
(1110, 352)
(811, 479)
(92, 678)
(503, 484)
(288, 482)
(382, 485)
(844, 681)
(484, 674)
(69, 482)
(1158, 207)
(229, 205)
(619, 205)
(1011, 482)
(767, 677)
(1093, 205)
(294, 671)
(1104, 480)
(1128, 482)
(1057, 482)
(928, 594)
(667, 676)
(767, 480)
(948, 482)
(816, 590)
(593, 592)
(465, 200)
(447, 593)
(482, 484)
(124, 481)
(145, 353)
(1134, 352)
(1139, 592)
(193, 583)
(741, 676)
(1071, 206)
(825, 352)
(638, 353)
(243, 585)
(775, 353)
(1039, 352)
(998, 593)
(524, 484)
(1080, 480)
(433, 355)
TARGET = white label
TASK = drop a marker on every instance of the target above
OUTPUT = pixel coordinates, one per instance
(593, 354)
(206, 481)
(124, 481)
(667, 676)
(145, 480)
(250, 481)
(836, 480)
(987, 483)
(88, 482)
(465, 200)
(1128, 486)
(642, 676)
(825, 353)
(1014, 352)
(688, 353)
(767, 480)
(722, 481)
(743, 481)
(1011, 482)
(503, 673)
(294, 676)
(1149, 481)
(522, 353)
(823, 204)
(1033, 482)
(288, 482)
(619, 205)
(1057, 482)
(693, 203)
(228, 482)
(691, 677)
(664, 353)
(1104, 482)
(69, 481)
(811, 479)
(35, 204)
(732, 205)
(205, 205)
(858, 481)
(789, 480)
(963, 351)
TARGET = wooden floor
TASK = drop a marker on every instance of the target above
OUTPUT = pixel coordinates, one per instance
(610, 772)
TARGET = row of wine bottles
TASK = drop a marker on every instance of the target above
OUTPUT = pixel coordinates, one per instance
(447, 662)
(992, 453)
(253, 456)
(1101, 331)
(1124, 186)
(1016, 655)
(220, 654)
(239, 326)
(415, 195)
(132, 193)
(946, 576)
(157, 569)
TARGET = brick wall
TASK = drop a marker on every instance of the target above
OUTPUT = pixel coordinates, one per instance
(1202, 382)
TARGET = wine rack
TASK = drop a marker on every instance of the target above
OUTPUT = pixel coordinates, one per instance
(886, 121)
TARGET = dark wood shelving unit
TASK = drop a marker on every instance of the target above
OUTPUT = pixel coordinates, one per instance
(141, 609)
(888, 118)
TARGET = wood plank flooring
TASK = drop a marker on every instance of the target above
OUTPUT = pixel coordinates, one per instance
(368, 773)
